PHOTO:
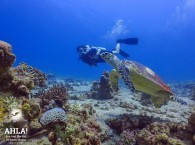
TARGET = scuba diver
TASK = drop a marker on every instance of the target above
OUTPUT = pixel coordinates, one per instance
(91, 54)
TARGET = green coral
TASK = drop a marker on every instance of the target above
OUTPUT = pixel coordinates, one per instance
(26, 108)
(175, 142)
(65, 133)
(163, 138)
(78, 131)
(3, 112)
(75, 108)
(30, 109)
(6, 104)
(70, 130)
(10, 102)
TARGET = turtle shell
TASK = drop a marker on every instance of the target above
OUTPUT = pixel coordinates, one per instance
(145, 79)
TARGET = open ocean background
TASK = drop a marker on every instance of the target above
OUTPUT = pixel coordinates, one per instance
(45, 34)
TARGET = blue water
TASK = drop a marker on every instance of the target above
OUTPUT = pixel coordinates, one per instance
(45, 33)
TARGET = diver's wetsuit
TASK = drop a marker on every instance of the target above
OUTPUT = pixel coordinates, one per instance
(91, 54)
(97, 58)
(90, 57)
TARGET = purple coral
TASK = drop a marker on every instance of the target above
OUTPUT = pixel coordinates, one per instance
(54, 115)
(57, 92)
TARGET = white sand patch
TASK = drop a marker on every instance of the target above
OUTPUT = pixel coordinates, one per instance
(111, 108)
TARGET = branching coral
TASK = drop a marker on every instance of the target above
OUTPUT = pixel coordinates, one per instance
(35, 74)
(57, 92)
(3, 112)
(75, 108)
(31, 75)
(10, 109)
(21, 79)
(10, 114)
(10, 102)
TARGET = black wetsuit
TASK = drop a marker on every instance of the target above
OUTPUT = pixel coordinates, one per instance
(92, 58)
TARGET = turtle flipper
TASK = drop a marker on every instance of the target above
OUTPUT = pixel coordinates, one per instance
(158, 101)
(113, 77)
(124, 73)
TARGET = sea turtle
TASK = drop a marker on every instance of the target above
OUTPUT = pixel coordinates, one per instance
(138, 77)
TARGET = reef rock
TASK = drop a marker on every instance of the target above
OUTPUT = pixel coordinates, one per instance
(7, 58)
(192, 119)
(191, 124)
(130, 122)
(101, 89)
(142, 130)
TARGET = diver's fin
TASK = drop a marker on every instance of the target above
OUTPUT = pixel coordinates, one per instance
(123, 53)
(130, 41)
(124, 73)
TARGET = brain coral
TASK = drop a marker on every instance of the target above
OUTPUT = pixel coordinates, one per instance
(53, 116)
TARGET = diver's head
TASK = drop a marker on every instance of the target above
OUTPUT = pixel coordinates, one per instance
(84, 56)
(81, 49)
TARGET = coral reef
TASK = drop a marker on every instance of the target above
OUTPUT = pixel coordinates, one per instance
(76, 126)
(3, 111)
(142, 130)
(129, 122)
(191, 127)
(30, 109)
(81, 128)
(52, 137)
(54, 115)
(160, 133)
(56, 95)
(10, 110)
(20, 80)
(43, 112)
(51, 118)
(7, 58)
(101, 89)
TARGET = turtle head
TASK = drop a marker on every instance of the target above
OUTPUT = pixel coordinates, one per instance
(110, 58)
